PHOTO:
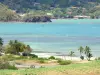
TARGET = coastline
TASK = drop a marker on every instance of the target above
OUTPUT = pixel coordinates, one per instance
(45, 22)
(44, 41)
(60, 56)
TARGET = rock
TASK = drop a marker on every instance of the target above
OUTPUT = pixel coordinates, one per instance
(38, 19)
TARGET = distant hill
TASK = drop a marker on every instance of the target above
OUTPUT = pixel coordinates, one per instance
(58, 8)
(7, 14)
(23, 5)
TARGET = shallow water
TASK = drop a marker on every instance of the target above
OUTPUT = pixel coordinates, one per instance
(58, 36)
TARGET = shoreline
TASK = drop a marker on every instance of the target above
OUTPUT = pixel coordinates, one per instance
(44, 22)
(60, 56)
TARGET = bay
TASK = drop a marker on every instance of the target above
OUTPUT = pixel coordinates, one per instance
(61, 35)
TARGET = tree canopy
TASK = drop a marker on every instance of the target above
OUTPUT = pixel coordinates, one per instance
(25, 5)
(7, 14)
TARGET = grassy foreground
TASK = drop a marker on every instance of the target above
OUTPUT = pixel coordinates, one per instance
(91, 68)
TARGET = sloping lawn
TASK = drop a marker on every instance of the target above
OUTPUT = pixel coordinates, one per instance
(91, 68)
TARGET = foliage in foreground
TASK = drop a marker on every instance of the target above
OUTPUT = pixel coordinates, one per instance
(42, 60)
(4, 64)
(15, 47)
(85, 51)
(33, 55)
(65, 62)
(7, 15)
(52, 57)
(91, 68)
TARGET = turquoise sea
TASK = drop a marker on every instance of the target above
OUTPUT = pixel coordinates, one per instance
(58, 36)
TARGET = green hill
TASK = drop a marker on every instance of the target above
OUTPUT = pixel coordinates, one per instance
(23, 5)
(7, 14)
(59, 8)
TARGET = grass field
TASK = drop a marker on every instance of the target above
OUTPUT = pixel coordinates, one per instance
(91, 68)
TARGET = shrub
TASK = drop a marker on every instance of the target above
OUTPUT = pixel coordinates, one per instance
(97, 58)
(41, 61)
(8, 57)
(52, 57)
(4, 64)
(82, 57)
(58, 60)
(21, 57)
(12, 67)
(33, 55)
(0, 54)
(65, 62)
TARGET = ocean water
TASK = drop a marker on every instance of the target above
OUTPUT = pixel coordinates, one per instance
(60, 36)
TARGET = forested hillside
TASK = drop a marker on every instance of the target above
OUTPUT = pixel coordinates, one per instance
(23, 5)
(58, 8)
(7, 14)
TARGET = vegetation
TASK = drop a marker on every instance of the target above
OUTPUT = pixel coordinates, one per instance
(1, 44)
(36, 18)
(58, 60)
(7, 14)
(33, 55)
(38, 8)
(71, 54)
(4, 64)
(81, 50)
(42, 60)
(15, 47)
(20, 5)
(65, 62)
(86, 51)
(98, 58)
(82, 57)
(92, 68)
(52, 57)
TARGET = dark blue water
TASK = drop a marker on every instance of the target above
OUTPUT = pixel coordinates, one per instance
(58, 36)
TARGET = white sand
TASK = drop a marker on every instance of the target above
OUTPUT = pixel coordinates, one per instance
(47, 55)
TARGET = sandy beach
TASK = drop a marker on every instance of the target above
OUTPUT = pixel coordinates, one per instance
(64, 57)
(50, 63)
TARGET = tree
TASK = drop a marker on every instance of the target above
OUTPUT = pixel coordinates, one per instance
(14, 47)
(81, 50)
(1, 41)
(87, 52)
(82, 57)
(27, 51)
(1, 44)
(7, 14)
(71, 54)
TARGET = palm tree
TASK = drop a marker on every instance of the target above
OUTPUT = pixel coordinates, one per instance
(15, 47)
(87, 52)
(81, 50)
(71, 54)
